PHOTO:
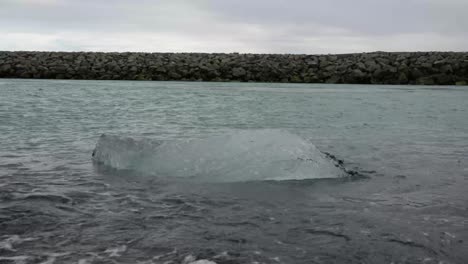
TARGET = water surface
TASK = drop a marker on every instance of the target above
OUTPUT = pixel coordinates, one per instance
(57, 205)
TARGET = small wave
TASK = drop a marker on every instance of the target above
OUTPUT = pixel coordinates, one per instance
(248, 155)
(9, 243)
(55, 198)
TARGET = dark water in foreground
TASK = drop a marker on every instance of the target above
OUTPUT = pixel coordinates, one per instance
(232, 173)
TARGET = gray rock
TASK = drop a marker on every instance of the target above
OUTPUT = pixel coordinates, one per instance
(440, 62)
(372, 66)
(403, 78)
(5, 67)
(416, 73)
(238, 72)
(358, 73)
(446, 69)
(361, 66)
(425, 81)
(333, 79)
(426, 65)
(443, 79)
(378, 67)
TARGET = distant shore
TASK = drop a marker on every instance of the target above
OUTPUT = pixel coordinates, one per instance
(422, 68)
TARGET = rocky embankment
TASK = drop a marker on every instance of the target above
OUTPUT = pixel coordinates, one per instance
(428, 68)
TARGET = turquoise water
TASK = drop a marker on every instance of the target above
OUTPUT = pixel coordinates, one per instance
(410, 143)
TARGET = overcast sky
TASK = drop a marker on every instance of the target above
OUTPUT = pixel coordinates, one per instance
(246, 26)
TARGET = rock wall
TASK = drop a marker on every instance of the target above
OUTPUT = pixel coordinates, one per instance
(445, 68)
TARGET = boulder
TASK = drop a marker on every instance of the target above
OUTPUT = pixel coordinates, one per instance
(5, 68)
(416, 73)
(443, 79)
(238, 72)
(425, 81)
(377, 67)
(361, 66)
(446, 69)
(403, 78)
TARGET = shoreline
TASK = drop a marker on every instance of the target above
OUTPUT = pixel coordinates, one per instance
(417, 68)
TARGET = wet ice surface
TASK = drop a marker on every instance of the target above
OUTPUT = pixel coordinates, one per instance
(56, 206)
(238, 156)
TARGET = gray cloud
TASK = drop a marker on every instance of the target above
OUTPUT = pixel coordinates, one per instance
(266, 26)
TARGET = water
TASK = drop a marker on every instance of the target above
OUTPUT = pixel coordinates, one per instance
(239, 177)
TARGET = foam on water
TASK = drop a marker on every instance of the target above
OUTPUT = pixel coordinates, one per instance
(235, 156)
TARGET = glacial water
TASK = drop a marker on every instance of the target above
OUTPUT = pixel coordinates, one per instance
(173, 172)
